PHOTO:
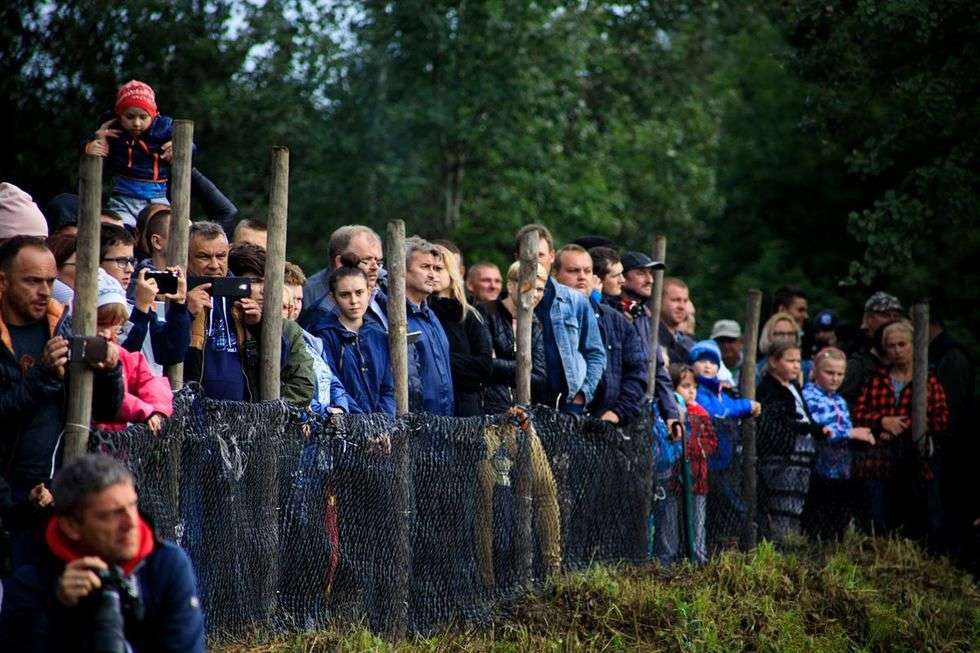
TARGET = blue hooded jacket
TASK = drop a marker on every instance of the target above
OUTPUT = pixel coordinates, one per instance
(361, 362)
(429, 356)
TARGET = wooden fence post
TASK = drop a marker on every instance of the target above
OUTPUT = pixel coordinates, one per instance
(920, 374)
(398, 346)
(271, 345)
(180, 215)
(750, 337)
(84, 308)
(654, 304)
(528, 279)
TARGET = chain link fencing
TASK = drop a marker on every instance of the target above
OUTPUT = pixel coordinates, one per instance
(403, 524)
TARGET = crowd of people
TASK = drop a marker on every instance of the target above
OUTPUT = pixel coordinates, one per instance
(833, 407)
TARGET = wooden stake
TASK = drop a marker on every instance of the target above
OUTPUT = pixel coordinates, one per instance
(84, 308)
(180, 214)
(747, 384)
(398, 348)
(920, 375)
(527, 280)
(654, 304)
(270, 351)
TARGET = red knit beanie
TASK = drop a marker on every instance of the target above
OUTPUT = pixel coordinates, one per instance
(136, 94)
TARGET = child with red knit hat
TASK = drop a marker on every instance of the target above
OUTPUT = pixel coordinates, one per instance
(136, 142)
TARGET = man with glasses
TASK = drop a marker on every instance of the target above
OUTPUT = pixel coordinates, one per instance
(167, 344)
(352, 244)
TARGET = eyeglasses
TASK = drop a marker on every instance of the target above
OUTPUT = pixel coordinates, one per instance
(123, 262)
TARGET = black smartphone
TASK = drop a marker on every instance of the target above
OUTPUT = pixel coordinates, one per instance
(166, 281)
(231, 287)
(90, 349)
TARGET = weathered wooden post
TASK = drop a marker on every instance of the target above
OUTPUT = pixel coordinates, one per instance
(750, 336)
(654, 304)
(84, 308)
(528, 280)
(398, 346)
(180, 215)
(920, 375)
(271, 344)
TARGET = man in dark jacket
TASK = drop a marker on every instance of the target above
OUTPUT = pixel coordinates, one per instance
(620, 396)
(96, 543)
(36, 338)
(609, 271)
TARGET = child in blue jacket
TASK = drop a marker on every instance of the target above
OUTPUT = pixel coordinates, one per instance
(136, 142)
(725, 507)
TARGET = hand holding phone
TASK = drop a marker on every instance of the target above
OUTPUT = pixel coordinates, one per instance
(166, 281)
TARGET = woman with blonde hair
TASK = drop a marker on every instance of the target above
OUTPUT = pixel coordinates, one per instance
(470, 350)
(780, 327)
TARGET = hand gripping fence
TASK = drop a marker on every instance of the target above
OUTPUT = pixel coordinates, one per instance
(496, 503)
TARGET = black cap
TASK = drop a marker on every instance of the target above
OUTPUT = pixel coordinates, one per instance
(588, 242)
(636, 260)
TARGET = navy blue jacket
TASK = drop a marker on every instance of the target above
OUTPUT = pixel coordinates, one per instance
(169, 339)
(140, 157)
(361, 362)
(624, 379)
(33, 621)
(429, 363)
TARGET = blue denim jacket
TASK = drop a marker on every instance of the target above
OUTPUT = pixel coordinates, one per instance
(578, 340)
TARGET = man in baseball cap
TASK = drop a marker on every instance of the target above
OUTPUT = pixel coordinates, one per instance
(880, 310)
(728, 335)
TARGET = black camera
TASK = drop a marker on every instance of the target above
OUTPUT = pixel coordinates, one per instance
(117, 601)
(636, 309)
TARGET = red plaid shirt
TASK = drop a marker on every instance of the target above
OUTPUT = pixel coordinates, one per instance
(701, 443)
(877, 400)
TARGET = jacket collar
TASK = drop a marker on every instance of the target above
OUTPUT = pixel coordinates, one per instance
(712, 384)
(53, 316)
(68, 551)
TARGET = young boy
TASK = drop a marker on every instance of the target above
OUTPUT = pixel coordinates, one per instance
(725, 507)
(137, 143)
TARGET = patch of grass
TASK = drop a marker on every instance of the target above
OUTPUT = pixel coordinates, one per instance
(865, 594)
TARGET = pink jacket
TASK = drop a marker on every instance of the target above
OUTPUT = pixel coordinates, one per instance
(145, 393)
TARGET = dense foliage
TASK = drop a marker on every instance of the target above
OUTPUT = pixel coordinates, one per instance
(830, 144)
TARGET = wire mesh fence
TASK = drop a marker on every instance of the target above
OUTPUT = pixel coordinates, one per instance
(403, 524)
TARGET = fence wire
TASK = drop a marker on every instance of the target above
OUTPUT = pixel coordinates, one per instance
(403, 524)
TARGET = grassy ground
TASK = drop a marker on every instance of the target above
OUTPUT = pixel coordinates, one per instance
(863, 595)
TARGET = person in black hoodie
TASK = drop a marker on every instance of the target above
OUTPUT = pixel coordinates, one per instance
(470, 349)
(786, 441)
(500, 316)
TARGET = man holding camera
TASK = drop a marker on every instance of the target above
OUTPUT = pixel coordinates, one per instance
(102, 581)
(35, 343)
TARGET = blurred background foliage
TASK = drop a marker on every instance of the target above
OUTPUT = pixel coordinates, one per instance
(833, 145)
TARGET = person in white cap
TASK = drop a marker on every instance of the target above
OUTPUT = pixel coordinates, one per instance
(728, 335)
(19, 215)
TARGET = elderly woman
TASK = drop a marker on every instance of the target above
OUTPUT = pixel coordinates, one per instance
(781, 327)
(899, 471)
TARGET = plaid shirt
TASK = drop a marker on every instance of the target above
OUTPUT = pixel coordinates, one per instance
(877, 400)
(829, 409)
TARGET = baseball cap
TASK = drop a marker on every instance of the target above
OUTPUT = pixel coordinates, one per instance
(636, 260)
(826, 321)
(588, 242)
(726, 329)
(882, 302)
